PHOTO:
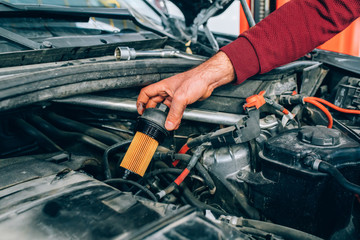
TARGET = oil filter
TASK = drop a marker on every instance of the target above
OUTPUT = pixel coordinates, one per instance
(150, 131)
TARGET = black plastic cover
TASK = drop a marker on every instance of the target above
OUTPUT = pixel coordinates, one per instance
(289, 193)
(53, 202)
(152, 122)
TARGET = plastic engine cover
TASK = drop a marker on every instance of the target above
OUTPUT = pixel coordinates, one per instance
(42, 200)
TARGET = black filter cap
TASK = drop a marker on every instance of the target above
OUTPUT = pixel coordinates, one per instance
(152, 122)
(319, 136)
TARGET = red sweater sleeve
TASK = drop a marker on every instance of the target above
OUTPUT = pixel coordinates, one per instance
(289, 33)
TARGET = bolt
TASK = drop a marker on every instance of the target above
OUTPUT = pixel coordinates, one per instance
(269, 118)
(46, 44)
(239, 175)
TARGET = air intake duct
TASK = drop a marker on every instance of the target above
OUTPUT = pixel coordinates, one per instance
(150, 131)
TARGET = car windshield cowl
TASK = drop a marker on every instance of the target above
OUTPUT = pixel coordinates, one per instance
(65, 12)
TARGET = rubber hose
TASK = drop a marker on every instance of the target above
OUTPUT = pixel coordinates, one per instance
(286, 232)
(335, 173)
(43, 141)
(107, 152)
(71, 125)
(162, 171)
(63, 135)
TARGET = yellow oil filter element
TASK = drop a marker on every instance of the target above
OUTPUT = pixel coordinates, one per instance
(140, 153)
(150, 130)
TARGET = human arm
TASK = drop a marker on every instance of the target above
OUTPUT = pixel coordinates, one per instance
(185, 88)
(290, 32)
(287, 34)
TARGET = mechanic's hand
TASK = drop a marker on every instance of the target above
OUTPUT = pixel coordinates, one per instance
(185, 88)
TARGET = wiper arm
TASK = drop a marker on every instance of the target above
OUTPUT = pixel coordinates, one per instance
(114, 13)
(13, 37)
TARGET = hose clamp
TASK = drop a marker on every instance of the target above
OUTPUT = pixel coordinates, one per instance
(316, 164)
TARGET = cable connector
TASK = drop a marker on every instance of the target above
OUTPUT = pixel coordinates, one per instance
(245, 130)
(291, 99)
(279, 107)
(255, 100)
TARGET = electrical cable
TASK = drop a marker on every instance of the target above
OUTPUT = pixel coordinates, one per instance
(107, 152)
(279, 107)
(198, 152)
(186, 193)
(186, 158)
(120, 180)
(339, 109)
(182, 150)
(318, 102)
(323, 109)
(192, 144)
(170, 171)
(195, 142)
(192, 200)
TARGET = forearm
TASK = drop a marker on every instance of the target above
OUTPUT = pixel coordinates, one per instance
(217, 71)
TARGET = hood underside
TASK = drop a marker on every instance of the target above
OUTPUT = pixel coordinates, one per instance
(191, 9)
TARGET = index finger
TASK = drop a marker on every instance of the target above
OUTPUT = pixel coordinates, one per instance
(150, 92)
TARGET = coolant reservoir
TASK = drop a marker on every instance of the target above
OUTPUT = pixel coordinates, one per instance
(316, 202)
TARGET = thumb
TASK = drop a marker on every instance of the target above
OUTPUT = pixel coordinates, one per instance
(177, 109)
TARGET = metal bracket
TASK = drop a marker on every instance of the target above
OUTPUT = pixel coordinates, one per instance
(202, 19)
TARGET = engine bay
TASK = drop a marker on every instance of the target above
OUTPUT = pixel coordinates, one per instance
(260, 156)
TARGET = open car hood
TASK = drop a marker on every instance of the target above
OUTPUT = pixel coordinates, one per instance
(191, 9)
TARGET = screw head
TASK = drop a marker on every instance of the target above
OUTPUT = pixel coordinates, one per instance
(46, 44)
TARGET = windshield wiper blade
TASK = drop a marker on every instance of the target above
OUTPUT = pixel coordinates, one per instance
(68, 12)
(13, 37)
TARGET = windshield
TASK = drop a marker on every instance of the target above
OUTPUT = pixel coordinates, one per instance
(139, 6)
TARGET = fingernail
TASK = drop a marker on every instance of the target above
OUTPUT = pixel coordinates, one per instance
(169, 125)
